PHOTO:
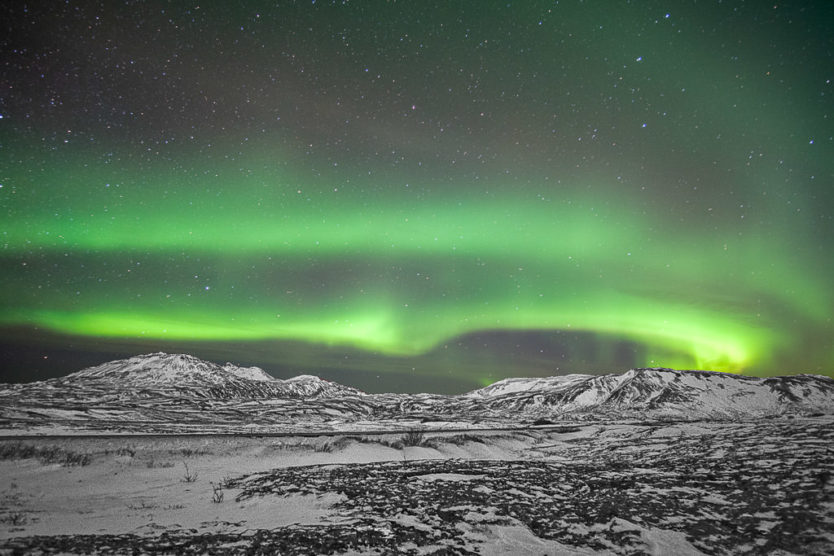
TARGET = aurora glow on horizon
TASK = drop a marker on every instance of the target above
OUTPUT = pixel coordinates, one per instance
(440, 195)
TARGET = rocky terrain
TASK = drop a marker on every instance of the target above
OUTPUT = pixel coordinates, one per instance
(685, 488)
(161, 393)
(728, 491)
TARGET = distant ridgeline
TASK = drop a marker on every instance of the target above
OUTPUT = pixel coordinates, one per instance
(182, 394)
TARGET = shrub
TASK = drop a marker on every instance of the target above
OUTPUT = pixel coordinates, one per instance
(217, 493)
(413, 438)
(15, 519)
(335, 445)
(189, 477)
(126, 451)
(456, 439)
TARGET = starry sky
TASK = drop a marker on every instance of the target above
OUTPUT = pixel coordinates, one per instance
(418, 196)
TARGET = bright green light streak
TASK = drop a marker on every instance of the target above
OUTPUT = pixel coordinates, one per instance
(591, 263)
(706, 340)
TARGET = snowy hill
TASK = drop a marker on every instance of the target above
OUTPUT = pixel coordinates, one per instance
(179, 372)
(156, 369)
(663, 392)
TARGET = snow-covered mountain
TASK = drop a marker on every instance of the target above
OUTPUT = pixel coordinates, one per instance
(190, 375)
(180, 393)
(520, 385)
(662, 392)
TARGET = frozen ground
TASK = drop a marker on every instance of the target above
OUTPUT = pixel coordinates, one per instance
(603, 488)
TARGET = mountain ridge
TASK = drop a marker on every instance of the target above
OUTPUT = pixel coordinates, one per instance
(671, 391)
(178, 392)
(183, 371)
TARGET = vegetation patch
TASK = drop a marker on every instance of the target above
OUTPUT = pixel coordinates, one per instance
(45, 454)
(15, 519)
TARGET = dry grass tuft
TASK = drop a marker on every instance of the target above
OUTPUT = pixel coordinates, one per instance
(189, 476)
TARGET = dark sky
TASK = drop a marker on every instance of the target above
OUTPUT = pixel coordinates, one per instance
(418, 195)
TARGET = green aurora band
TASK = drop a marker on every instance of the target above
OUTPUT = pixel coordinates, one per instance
(267, 256)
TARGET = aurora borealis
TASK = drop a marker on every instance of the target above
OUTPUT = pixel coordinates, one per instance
(418, 195)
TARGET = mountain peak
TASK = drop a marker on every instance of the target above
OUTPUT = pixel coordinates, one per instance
(248, 373)
(166, 369)
(302, 378)
(179, 371)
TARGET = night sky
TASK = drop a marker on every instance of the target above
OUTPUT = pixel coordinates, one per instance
(418, 195)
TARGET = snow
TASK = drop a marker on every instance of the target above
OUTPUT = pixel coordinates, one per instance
(303, 378)
(248, 373)
(481, 491)
(663, 393)
(515, 385)
(660, 542)
(518, 539)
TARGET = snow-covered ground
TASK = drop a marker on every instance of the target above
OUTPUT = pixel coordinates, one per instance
(171, 454)
(596, 488)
